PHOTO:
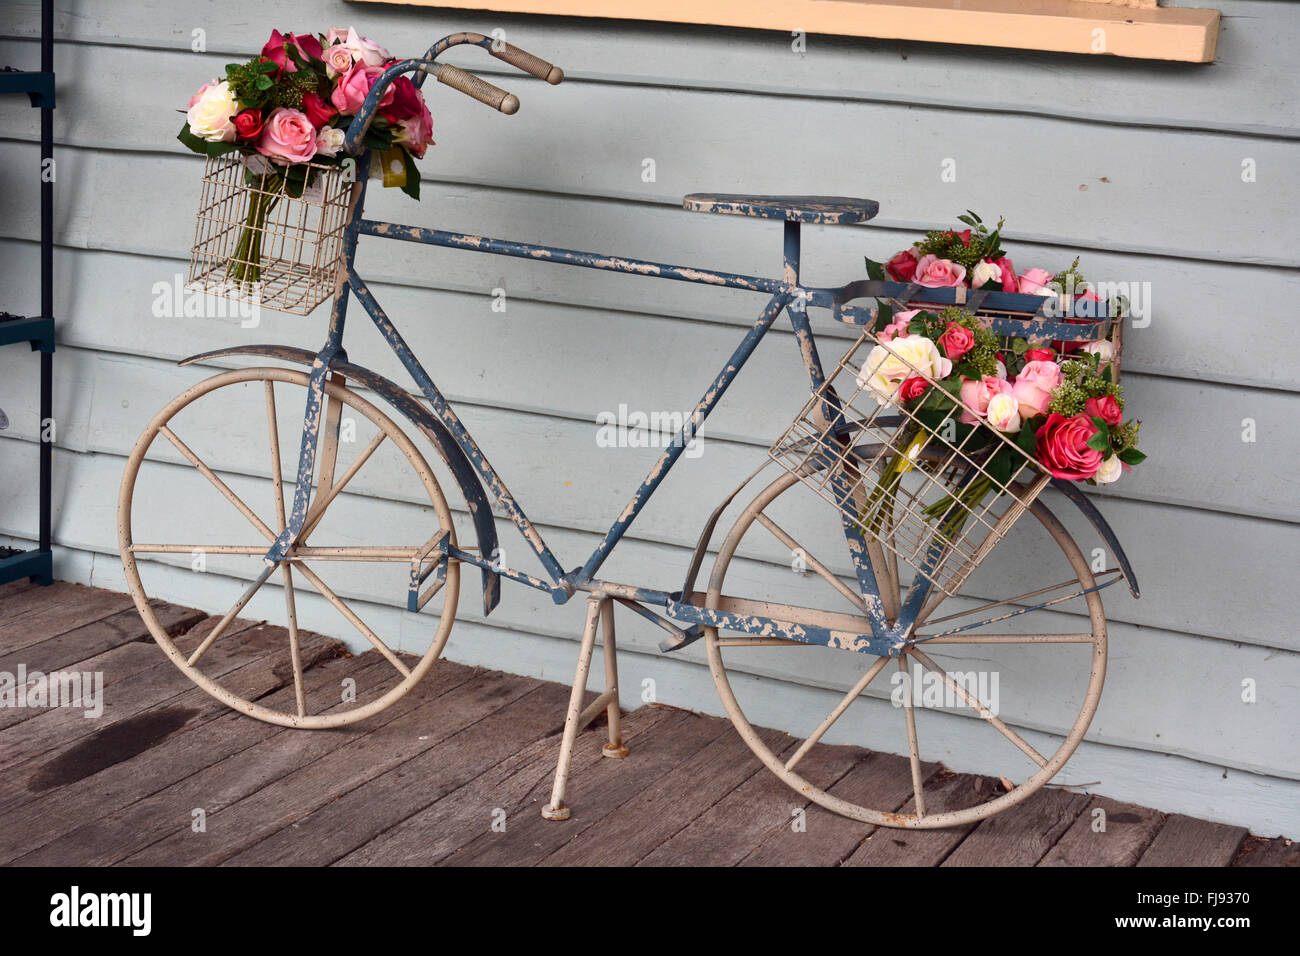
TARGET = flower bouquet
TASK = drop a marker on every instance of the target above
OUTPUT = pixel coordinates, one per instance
(283, 116)
(935, 432)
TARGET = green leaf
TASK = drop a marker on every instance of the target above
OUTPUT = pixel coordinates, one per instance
(1099, 442)
(263, 82)
(875, 270)
(1027, 440)
(220, 149)
(884, 315)
(1131, 456)
(1019, 346)
(968, 221)
(191, 141)
(412, 185)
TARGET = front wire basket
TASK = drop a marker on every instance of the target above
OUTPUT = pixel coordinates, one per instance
(288, 261)
(906, 483)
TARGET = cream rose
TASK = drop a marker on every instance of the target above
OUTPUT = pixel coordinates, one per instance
(338, 60)
(888, 366)
(211, 113)
(329, 141)
(1103, 349)
(1004, 413)
(1110, 470)
(983, 272)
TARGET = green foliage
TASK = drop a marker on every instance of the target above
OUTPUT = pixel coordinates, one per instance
(947, 244)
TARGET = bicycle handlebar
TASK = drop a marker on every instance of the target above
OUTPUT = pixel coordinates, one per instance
(458, 79)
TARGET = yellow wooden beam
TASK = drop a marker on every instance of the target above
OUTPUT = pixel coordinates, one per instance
(1136, 28)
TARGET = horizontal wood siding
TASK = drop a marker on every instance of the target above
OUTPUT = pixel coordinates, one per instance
(1136, 167)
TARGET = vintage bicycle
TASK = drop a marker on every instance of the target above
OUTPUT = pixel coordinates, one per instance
(883, 569)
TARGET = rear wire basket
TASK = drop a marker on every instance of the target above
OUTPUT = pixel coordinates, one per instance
(898, 479)
(300, 240)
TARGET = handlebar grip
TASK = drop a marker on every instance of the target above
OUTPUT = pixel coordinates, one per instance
(475, 86)
(523, 60)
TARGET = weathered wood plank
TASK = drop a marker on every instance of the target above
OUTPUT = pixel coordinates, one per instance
(89, 640)
(1128, 831)
(1186, 841)
(100, 819)
(890, 847)
(1021, 835)
(365, 757)
(343, 825)
(595, 795)
(1256, 851)
(517, 785)
(882, 781)
(665, 807)
(61, 607)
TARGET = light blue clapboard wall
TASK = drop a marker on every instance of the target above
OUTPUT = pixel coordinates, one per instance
(1135, 166)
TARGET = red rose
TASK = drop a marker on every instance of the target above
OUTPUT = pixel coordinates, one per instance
(248, 124)
(1062, 447)
(406, 100)
(307, 45)
(1106, 408)
(1039, 355)
(913, 387)
(903, 266)
(318, 111)
(1009, 281)
(956, 341)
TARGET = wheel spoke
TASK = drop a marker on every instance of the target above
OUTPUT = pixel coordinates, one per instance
(295, 651)
(220, 485)
(829, 576)
(356, 622)
(924, 617)
(918, 786)
(1006, 639)
(274, 429)
(839, 710)
(239, 605)
(979, 708)
(317, 511)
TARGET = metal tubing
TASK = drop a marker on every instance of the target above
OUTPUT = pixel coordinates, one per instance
(556, 809)
(572, 257)
(706, 404)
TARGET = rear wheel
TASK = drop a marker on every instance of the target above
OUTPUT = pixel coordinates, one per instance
(1074, 654)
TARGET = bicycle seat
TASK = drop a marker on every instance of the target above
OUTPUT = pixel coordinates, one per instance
(818, 209)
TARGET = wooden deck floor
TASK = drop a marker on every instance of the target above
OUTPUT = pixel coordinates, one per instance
(423, 782)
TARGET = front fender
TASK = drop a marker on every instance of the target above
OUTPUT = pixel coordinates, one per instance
(422, 418)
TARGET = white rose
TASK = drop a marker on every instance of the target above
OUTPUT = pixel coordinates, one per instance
(1002, 370)
(1103, 350)
(983, 272)
(329, 141)
(1003, 412)
(888, 366)
(210, 116)
(365, 49)
(1109, 471)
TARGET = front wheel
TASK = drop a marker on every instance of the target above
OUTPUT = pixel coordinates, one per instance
(1070, 667)
(206, 469)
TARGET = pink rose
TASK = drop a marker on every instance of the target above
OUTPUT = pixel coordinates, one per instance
(976, 395)
(1034, 385)
(288, 137)
(897, 327)
(1033, 282)
(935, 273)
(364, 49)
(902, 267)
(338, 60)
(1106, 408)
(352, 88)
(956, 341)
(416, 132)
(1062, 447)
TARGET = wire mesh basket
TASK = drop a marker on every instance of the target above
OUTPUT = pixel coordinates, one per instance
(268, 235)
(931, 488)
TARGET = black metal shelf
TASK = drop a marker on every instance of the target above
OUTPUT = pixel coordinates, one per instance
(38, 563)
